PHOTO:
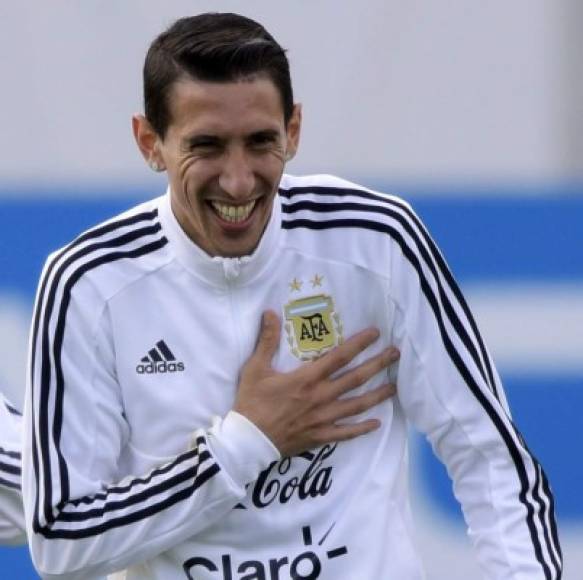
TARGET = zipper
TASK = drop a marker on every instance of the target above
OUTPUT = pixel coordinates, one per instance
(231, 270)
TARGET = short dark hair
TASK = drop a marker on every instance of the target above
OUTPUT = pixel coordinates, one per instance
(216, 47)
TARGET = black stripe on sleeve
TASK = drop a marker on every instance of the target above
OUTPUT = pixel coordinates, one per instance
(9, 468)
(203, 456)
(456, 358)
(138, 497)
(11, 454)
(199, 479)
(552, 517)
(12, 410)
(9, 483)
(10, 473)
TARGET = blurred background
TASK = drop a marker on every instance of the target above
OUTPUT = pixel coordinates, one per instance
(472, 111)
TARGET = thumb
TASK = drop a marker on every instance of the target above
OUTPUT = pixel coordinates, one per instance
(268, 339)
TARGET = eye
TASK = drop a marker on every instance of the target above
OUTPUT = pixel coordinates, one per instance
(203, 145)
(262, 139)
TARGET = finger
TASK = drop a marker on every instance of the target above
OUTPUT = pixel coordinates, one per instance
(268, 339)
(341, 355)
(349, 407)
(359, 375)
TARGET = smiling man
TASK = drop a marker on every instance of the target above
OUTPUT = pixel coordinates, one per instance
(210, 391)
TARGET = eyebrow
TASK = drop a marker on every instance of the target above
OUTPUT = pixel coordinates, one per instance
(202, 140)
(269, 133)
(197, 140)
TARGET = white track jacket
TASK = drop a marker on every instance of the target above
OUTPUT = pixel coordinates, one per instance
(133, 460)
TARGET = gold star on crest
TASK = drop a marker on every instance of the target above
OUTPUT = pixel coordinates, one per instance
(295, 285)
(316, 280)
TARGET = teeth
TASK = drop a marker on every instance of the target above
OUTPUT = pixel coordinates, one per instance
(233, 213)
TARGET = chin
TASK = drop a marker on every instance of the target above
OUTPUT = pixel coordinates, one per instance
(237, 251)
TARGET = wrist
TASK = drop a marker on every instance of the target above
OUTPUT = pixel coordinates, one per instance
(241, 448)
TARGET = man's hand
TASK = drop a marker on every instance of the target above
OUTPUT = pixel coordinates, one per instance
(299, 410)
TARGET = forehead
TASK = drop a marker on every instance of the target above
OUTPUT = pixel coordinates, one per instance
(249, 104)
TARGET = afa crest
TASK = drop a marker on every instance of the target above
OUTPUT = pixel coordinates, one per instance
(312, 326)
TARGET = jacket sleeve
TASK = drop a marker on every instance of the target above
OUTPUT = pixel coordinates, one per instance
(11, 511)
(84, 519)
(450, 391)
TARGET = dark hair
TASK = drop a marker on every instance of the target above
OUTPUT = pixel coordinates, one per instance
(217, 47)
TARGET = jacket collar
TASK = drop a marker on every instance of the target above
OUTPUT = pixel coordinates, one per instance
(218, 270)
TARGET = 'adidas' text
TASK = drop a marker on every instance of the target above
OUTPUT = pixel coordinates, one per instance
(159, 359)
(161, 367)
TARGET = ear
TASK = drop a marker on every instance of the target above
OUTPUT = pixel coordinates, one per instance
(147, 141)
(293, 131)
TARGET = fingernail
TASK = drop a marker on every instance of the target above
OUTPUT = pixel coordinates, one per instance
(265, 321)
(393, 352)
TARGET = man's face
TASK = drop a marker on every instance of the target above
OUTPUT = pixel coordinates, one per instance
(225, 151)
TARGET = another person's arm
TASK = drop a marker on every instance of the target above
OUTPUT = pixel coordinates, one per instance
(11, 511)
(450, 390)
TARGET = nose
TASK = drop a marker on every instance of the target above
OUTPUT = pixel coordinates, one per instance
(237, 178)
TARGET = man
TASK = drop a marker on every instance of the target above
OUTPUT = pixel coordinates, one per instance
(209, 392)
(11, 513)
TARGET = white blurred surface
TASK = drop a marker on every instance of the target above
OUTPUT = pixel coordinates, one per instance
(532, 328)
(424, 90)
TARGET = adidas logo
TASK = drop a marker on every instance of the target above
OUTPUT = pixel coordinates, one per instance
(159, 360)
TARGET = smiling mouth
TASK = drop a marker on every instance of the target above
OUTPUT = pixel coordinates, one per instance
(234, 214)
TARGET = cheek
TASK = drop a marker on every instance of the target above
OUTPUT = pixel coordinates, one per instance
(184, 169)
(198, 173)
(191, 181)
(184, 185)
(271, 166)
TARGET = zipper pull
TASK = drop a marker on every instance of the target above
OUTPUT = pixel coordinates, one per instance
(231, 268)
